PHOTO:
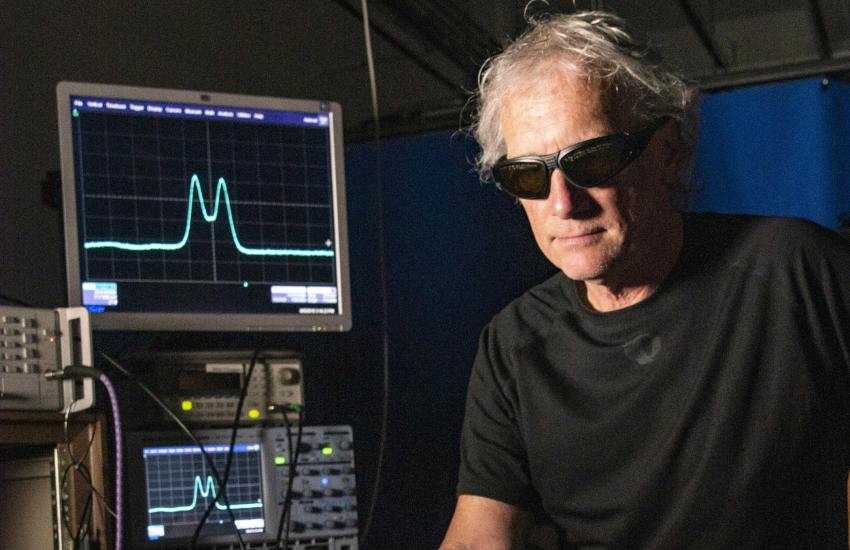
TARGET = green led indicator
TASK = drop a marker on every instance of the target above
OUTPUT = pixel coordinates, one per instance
(75, 113)
(327, 450)
(280, 460)
(245, 284)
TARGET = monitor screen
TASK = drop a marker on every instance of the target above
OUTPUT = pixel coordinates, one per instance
(179, 487)
(203, 211)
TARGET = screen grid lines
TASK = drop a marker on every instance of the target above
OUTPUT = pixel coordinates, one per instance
(137, 184)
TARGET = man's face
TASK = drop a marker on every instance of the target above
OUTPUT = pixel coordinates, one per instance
(600, 234)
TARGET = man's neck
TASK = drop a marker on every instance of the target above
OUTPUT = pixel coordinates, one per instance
(637, 282)
(602, 298)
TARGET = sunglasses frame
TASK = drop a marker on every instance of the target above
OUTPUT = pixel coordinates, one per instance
(637, 141)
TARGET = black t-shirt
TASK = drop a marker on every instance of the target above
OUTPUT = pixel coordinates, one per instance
(714, 414)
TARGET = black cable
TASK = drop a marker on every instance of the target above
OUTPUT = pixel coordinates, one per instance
(284, 509)
(89, 444)
(382, 278)
(79, 466)
(81, 371)
(14, 301)
(82, 527)
(222, 488)
(84, 472)
(293, 463)
(186, 430)
(74, 464)
(82, 530)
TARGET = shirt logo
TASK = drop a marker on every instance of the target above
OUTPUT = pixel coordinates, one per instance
(643, 349)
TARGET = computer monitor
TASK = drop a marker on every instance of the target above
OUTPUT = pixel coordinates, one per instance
(203, 211)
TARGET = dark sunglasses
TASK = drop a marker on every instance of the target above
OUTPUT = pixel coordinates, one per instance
(585, 164)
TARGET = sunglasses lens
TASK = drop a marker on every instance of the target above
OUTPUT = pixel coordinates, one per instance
(596, 163)
(523, 179)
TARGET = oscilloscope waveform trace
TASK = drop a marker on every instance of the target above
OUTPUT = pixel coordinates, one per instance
(203, 490)
(220, 191)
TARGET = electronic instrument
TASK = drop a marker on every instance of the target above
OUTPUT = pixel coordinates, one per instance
(174, 486)
(34, 341)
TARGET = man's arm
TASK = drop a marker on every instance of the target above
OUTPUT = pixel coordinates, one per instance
(481, 523)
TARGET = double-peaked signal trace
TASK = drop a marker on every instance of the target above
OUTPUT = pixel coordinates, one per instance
(204, 490)
(220, 190)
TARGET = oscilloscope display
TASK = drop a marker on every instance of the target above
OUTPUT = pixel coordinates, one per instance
(233, 207)
(180, 486)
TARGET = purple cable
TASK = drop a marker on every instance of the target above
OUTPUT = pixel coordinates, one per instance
(116, 420)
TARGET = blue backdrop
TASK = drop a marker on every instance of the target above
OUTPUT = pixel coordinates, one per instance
(781, 149)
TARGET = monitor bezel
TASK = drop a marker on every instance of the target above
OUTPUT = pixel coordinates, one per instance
(204, 321)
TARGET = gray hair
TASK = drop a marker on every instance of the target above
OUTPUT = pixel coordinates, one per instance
(635, 87)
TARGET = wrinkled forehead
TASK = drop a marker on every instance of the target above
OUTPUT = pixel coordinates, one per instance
(538, 85)
(556, 97)
(548, 76)
(542, 126)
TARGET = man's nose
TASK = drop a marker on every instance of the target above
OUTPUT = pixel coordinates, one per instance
(564, 198)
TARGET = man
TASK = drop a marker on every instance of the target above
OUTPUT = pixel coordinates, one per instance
(684, 381)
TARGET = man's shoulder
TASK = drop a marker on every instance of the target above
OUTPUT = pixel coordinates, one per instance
(534, 311)
(767, 238)
(753, 222)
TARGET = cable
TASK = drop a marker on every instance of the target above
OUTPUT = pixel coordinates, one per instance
(68, 438)
(14, 301)
(285, 509)
(293, 463)
(84, 472)
(370, 60)
(383, 279)
(76, 465)
(293, 473)
(186, 430)
(79, 463)
(82, 529)
(116, 422)
(222, 488)
(80, 372)
(79, 467)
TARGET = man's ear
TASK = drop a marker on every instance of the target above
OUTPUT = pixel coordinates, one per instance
(674, 154)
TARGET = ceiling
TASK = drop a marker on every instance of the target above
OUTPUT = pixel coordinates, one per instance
(427, 52)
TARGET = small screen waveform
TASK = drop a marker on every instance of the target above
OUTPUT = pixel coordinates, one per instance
(206, 491)
(180, 488)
